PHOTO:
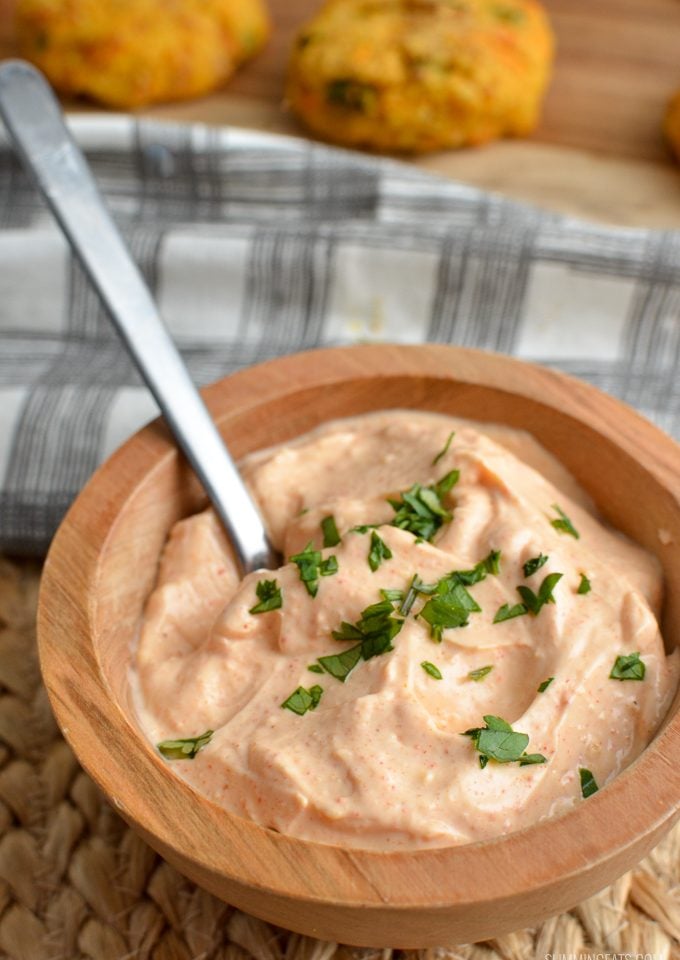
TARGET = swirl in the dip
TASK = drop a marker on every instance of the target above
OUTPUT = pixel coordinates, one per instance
(513, 664)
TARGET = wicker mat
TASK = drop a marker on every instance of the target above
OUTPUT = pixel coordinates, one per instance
(76, 883)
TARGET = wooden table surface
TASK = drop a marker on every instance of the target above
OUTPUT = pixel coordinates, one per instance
(598, 152)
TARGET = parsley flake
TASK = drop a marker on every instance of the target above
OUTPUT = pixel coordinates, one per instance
(331, 537)
(449, 608)
(480, 673)
(506, 612)
(378, 552)
(491, 564)
(302, 700)
(445, 449)
(543, 686)
(563, 524)
(311, 566)
(269, 596)
(184, 749)
(416, 587)
(374, 633)
(420, 509)
(531, 566)
(588, 783)
(432, 670)
(584, 585)
(315, 668)
(498, 741)
(628, 666)
(394, 596)
(534, 602)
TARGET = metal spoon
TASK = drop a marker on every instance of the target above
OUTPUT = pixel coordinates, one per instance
(36, 125)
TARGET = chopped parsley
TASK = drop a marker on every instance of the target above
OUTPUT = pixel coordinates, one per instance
(588, 783)
(302, 700)
(394, 596)
(340, 665)
(448, 609)
(506, 612)
(491, 564)
(331, 537)
(420, 509)
(531, 566)
(543, 686)
(480, 673)
(534, 602)
(563, 524)
(184, 749)
(311, 566)
(378, 552)
(584, 585)
(628, 666)
(416, 587)
(432, 670)
(445, 449)
(315, 668)
(364, 527)
(498, 741)
(269, 596)
(374, 631)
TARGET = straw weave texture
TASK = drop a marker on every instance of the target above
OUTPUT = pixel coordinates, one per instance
(76, 883)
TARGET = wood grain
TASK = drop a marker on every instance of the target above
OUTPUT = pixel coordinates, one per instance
(101, 568)
(598, 152)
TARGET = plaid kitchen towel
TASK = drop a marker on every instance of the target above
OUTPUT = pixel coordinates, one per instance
(258, 245)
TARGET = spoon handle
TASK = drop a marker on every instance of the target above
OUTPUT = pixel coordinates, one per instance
(35, 123)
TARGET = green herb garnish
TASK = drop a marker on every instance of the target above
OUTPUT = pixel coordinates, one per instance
(184, 749)
(628, 666)
(420, 509)
(588, 783)
(340, 665)
(491, 564)
(311, 566)
(543, 686)
(365, 527)
(498, 741)
(329, 566)
(431, 669)
(449, 609)
(506, 612)
(331, 537)
(378, 552)
(374, 631)
(445, 449)
(563, 524)
(315, 668)
(416, 587)
(269, 594)
(302, 700)
(531, 566)
(394, 596)
(534, 602)
(584, 585)
(480, 673)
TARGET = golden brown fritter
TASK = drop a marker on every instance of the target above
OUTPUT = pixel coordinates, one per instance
(127, 53)
(672, 124)
(418, 75)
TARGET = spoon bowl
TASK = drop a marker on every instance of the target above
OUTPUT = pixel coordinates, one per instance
(102, 567)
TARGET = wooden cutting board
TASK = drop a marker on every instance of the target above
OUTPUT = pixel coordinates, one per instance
(599, 151)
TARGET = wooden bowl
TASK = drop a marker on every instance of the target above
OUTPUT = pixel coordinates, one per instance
(102, 567)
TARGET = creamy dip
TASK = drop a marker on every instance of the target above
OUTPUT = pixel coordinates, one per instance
(378, 745)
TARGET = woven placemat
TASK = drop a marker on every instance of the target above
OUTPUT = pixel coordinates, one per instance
(76, 883)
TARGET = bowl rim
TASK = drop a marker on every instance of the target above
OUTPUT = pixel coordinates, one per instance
(488, 871)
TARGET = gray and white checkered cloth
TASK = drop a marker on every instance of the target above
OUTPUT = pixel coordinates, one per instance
(257, 246)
